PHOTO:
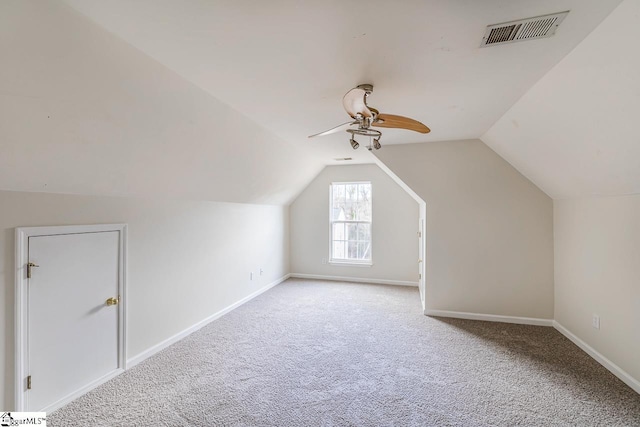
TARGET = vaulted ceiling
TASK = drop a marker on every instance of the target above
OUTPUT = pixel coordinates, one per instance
(575, 132)
(214, 99)
(83, 112)
(286, 64)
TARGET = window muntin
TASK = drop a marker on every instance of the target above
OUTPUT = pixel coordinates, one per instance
(350, 222)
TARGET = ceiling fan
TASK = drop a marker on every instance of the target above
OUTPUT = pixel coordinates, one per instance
(364, 117)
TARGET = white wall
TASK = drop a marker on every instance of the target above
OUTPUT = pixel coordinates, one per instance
(489, 229)
(597, 271)
(394, 227)
(186, 260)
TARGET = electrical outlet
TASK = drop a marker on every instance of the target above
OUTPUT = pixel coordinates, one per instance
(324, 260)
(596, 321)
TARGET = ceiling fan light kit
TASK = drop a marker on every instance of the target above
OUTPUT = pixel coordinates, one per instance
(364, 117)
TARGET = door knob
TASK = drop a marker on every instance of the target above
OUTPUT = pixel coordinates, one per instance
(112, 301)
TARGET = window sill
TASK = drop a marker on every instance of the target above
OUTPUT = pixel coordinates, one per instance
(350, 263)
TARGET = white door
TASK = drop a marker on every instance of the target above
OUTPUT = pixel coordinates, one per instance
(73, 334)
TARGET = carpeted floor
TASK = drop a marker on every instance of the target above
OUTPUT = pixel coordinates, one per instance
(312, 353)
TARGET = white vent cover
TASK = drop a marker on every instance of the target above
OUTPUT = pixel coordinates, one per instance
(524, 29)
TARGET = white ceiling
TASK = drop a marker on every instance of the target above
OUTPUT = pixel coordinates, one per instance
(286, 64)
(83, 112)
(214, 99)
(575, 133)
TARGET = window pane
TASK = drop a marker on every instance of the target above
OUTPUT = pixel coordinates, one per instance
(361, 231)
(358, 211)
(338, 192)
(367, 251)
(364, 211)
(351, 192)
(361, 250)
(348, 211)
(337, 202)
(365, 232)
(365, 191)
(335, 212)
(352, 231)
(352, 250)
(338, 232)
(338, 250)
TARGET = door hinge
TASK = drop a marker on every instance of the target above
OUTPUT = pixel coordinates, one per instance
(420, 276)
(29, 267)
(29, 382)
(419, 234)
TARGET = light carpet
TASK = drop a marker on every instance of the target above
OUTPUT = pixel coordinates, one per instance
(313, 353)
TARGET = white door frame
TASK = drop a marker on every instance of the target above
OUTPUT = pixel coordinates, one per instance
(423, 248)
(21, 351)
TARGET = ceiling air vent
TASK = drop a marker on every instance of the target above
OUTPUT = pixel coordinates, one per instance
(524, 29)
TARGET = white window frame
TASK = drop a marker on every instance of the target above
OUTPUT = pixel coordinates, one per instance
(349, 262)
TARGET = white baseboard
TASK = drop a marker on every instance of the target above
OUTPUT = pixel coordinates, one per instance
(354, 279)
(490, 317)
(612, 367)
(81, 391)
(180, 335)
(608, 364)
(598, 357)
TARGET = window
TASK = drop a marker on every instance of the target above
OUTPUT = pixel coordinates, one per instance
(350, 222)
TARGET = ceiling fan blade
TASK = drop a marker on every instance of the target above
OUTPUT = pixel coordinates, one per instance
(392, 121)
(338, 128)
(354, 102)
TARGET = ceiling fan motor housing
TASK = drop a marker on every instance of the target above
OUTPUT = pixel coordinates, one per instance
(368, 88)
(355, 103)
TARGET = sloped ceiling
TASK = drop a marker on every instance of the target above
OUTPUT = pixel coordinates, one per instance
(83, 112)
(214, 99)
(576, 132)
(286, 64)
